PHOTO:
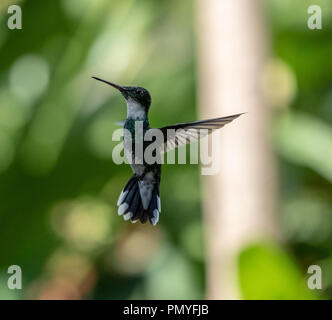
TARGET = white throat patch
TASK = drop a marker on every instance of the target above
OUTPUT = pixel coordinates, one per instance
(135, 110)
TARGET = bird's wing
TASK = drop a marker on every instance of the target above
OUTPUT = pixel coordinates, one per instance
(183, 133)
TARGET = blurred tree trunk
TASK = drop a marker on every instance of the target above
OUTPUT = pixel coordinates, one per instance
(240, 201)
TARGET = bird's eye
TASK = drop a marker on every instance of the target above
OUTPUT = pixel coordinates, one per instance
(140, 92)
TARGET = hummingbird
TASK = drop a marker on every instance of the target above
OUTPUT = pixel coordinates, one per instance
(140, 198)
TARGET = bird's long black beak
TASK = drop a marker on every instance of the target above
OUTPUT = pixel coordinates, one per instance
(116, 86)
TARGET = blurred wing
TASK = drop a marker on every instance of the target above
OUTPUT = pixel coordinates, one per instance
(184, 133)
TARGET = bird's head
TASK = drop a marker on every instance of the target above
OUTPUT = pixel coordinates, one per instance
(132, 94)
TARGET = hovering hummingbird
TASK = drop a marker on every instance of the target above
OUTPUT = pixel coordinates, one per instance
(140, 198)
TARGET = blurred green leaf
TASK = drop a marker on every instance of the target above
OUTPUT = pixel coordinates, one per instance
(171, 277)
(267, 272)
(306, 140)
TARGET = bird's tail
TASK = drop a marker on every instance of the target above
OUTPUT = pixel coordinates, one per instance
(131, 207)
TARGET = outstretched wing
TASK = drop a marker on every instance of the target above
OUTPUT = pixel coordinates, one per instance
(182, 133)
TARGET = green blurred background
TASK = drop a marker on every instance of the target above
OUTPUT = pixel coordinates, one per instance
(59, 185)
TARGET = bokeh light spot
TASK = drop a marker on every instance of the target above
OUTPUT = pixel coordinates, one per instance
(29, 76)
(85, 224)
(278, 83)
